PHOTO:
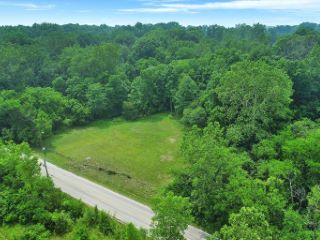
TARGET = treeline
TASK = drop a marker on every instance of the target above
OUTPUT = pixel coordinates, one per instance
(249, 97)
(57, 76)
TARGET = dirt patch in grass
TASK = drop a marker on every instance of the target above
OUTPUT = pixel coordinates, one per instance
(166, 158)
(172, 140)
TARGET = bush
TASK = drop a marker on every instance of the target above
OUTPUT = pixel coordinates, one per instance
(133, 233)
(106, 225)
(74, 208)
(81, 232)
(130, 111)
(35, 232)
(194, 116)
(60, 223)
(91, 216)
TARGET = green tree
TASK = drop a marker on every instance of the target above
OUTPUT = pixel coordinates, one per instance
(254, 102)
(97, 100)
(130, 111)
(172, 216)
(194, 116)
(93, 62)
(148, 91)
(305, 76)
(211, 175)
(297, 45)
(304, 153)
(294, 227)
(249, 224)
(15, 72)
(132, 233)
(60, 223)
(116, 94)
(187, 92)
(314, 211)
(49, 101)
(145, 47)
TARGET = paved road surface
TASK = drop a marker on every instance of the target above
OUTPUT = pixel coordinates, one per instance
(123, 208)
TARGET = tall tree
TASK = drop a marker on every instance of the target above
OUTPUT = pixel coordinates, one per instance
(254, 102)
(249, 224)
(172, 216)
(187, 92)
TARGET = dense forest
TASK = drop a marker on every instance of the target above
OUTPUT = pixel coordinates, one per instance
(248, 96)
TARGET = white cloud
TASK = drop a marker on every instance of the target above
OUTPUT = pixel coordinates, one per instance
(27, 6)
(174, 6)
(161, 1)
(153, 10)
(250, 4)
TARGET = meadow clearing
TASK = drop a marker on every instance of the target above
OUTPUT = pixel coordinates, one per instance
(135, 158)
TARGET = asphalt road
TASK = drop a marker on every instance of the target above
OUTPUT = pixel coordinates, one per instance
(124, 209)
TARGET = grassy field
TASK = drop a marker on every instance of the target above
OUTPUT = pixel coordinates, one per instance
(133, 158)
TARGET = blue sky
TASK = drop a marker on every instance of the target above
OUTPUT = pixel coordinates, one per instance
(186, 12)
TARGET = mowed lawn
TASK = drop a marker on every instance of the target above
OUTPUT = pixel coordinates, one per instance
(135, 158)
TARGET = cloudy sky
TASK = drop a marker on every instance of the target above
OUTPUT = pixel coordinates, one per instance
(186, 12)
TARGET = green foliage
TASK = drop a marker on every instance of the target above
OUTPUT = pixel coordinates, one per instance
(194, 116)
(249, 224)
(145, 47)
(28, 199)
(35, 113)
(294, 227)
(304, 152)
(211, 175)
(235, 89)
(91, 62)
(130, 111)
(298, 45)
(81, 232)
(105, 224)
(59, 223)
(148, 91)
(96, 99)
(91, 216)
(172, 216)
(35, 232)
(314, 211)
(187, 92)
(74, 207)
(132, 233)
(254, 101)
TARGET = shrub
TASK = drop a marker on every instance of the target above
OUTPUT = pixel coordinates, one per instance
(60, 223)
(133, 233)
(81, 232)
(35, 232)
(74, 208)
(106, 225)
(91, 216)
(130, 111)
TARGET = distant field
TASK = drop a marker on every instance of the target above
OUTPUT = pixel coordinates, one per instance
(134, 158)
